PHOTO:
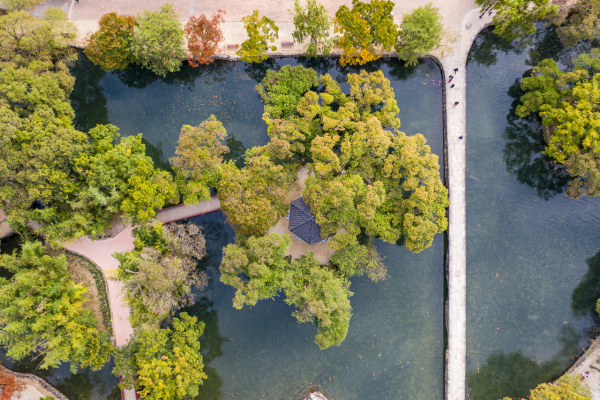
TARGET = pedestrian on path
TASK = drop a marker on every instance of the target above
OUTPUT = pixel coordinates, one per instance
(452, 86)
(456, 103)
(460, 138)
(450, 80)
(455, 70)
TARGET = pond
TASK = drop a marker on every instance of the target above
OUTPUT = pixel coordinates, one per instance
(533, 260)
(394, 348)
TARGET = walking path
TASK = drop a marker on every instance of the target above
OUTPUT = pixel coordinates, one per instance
(180, 212)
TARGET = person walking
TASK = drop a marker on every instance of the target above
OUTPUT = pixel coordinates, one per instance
(460, 138)
(455, 70)
(452, 86)
(456, 103)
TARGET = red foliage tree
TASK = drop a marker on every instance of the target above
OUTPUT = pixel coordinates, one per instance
(9, 386)
(203, 37)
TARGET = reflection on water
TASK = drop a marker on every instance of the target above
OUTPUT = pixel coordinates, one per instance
(523, 152)
(531, 267)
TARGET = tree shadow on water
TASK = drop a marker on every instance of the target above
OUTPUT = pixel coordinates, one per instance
(258, 71)
(515, 374)
(210, 344)
(523, 152)
(87, 98)
(139, 77)
(585, 295)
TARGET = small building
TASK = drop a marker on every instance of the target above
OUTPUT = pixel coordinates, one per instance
(302, 222)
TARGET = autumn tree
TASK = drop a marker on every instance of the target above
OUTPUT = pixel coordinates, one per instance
(260, 33)
(311, 26)
(203, 37)
(42, 312)
(9, 386)
(159, 274)
(582, 21)
(198, 159)
(157, 41)
(516, 18)
(259, 270)
(110, 46)
(164, 364)
(367, 30)
(420, 32)
(254, 197)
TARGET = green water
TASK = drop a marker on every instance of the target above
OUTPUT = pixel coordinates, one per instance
(533, 260)
(396, 340)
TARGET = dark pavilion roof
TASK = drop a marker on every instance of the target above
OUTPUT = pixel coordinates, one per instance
(302, 222)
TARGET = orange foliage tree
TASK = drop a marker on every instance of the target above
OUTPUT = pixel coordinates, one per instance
(9, 386)
(204, 36)
(109, 46)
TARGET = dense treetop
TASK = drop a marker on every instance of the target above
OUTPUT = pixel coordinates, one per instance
(568, 103)
(41, 312)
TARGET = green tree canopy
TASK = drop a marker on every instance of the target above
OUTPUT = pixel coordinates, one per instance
(368, 177)
(109, 47)
(420, 31)
(39, 43)
(164, 364)
(516, 18)
(312, 26)
(198, 159)
(41, 312)
(260, 33)
(121, 177)
(568, 387)
(254, 197)
(367, 30)
(568, 103)
(259, 270)
(157, 41)
(159, 274)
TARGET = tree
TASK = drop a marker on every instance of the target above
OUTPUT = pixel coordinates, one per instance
(368, 31)
(516, 18)
(25, 39)
(568, 103)
(42, 313)
(120, 177)
(260, 33)
(259, 270)
(568, 387)
(254, 197)
(109, 47)
(18, 5)
(198, 159)
(582, 22)
(420, 32)
(164, 364)
(9, 386)
(203, 37)
(312, 25)
(367, 179)
(158, 42)
(158, 276)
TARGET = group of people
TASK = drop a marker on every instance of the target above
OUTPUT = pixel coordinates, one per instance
(456, 102)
